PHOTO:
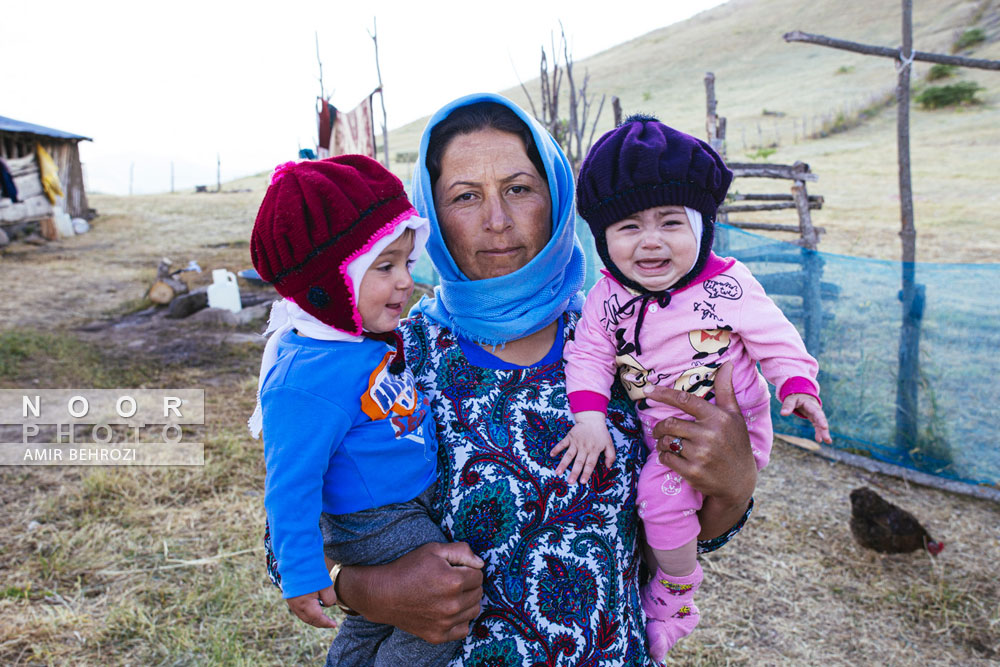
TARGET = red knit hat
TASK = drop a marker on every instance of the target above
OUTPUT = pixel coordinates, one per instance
(316, 217)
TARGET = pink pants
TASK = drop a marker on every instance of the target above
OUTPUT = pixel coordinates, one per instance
(668, 505)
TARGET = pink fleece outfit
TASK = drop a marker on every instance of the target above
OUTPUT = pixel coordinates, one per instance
(723, 315)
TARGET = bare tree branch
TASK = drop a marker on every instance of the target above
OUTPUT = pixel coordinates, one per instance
(571, 129)
(590, 140)
(531, 102)
(568, 133)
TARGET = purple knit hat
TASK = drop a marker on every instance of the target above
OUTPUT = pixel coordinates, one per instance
(640, 164)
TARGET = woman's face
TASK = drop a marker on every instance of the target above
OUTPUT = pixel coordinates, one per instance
(492, 204)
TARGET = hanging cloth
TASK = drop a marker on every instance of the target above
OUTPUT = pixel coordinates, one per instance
(49, 174)
(327, 115)
(7, 187)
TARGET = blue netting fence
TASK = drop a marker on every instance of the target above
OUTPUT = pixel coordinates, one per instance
(856, 340)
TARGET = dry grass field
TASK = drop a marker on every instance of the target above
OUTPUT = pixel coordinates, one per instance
(130, 566)
(125, 565)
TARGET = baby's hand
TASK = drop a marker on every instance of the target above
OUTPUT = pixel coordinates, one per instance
(309, 607)
(584, 444)
(807, 406)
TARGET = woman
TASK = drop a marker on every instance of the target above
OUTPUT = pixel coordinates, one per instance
(560, 580)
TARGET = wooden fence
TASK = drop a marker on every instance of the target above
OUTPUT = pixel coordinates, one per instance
(804, 277)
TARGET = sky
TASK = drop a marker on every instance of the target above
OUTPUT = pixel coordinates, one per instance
(187, 83)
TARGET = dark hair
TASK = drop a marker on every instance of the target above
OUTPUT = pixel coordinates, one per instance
(475, 117)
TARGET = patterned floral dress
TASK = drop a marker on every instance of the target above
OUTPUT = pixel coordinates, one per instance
(562, 565)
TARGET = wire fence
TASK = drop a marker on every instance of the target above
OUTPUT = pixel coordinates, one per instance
(858, 351)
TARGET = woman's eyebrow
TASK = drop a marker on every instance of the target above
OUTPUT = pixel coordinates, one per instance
(454, 183)
(505, 179)
(517, 174)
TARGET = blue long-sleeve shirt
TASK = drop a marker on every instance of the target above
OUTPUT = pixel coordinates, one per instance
(341, 434)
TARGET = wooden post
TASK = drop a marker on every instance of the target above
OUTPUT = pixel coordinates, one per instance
(322, 101)
(909, 336)
(812, 269)
(912, 295)
(810, 239)
(218, 172)
(712, 130)
(710, 105)
(616, 106)
(712, 124)
(322, 91)
(76, 195)
(381, 95)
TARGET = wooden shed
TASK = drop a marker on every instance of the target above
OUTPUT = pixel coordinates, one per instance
(19, 142)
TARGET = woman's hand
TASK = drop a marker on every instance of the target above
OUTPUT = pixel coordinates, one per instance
(433, 592)
(715, 456)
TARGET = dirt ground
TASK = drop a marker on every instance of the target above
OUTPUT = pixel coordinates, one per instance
(117, 565)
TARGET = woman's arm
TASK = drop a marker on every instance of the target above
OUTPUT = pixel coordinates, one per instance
(716, 458)
(433, 592)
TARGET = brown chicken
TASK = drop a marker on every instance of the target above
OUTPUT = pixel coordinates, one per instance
(878, 524)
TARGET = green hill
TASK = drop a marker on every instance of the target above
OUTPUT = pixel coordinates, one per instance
(775, 94)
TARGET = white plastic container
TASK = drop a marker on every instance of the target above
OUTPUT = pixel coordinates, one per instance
(64, 224)
(224, 292)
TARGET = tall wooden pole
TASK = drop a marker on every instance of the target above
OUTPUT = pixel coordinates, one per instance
(381, 96)
(911, 296)
(321, 102)
(711, 117)
(322, 90)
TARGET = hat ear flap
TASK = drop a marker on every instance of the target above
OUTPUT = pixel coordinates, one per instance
(707, 239)
(326, 301)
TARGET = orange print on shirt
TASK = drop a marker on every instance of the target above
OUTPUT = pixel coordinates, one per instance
(388, 393)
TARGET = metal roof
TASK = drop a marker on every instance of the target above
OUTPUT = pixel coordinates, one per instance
(11, 125)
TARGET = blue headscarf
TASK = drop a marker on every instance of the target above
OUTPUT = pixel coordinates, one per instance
(494, 311)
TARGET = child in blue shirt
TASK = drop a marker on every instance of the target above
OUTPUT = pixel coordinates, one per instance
(345, 430)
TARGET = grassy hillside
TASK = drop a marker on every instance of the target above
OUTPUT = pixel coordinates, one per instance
(806, 90)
